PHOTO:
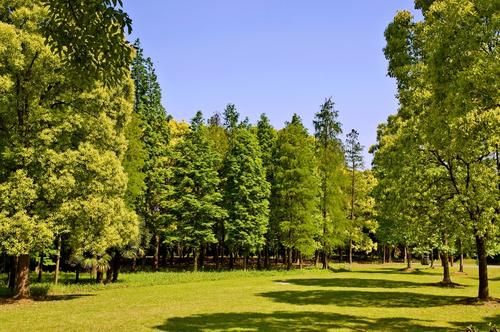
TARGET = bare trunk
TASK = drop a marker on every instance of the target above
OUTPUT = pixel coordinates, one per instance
(40, 269)
(195, 259)
(22, 277)
(483, 291)
(12, 273)
(301, 263)
(408, 259)
(231, 260)
(350, 251)
(156, 257)
(289, 259)
(58, 260)
(432, 258)
(324, 261)
(245, 261)
(405, 256)
(383, 254)
(390, 254)
(446, 268)
(259, 257)
(461, 256)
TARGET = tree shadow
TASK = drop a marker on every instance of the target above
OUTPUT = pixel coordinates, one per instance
(291, 321)
(361, 299)
(353, 282)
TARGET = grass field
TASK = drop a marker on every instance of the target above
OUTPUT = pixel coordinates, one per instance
(368, 298)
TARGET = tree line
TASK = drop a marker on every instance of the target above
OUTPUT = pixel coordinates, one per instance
(93, 171)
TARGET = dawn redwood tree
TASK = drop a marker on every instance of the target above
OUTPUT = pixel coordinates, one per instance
(329, 156)
(246, 193)
(354, 161)
(295, 190)
(197, 205)
(155, 137)
(266, 135)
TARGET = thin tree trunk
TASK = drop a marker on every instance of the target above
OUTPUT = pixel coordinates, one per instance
(245, 261)
(289, 259)
(116, 265)
(195, 259)
(451, 260)
(301, 263)
(483, 291)
(58, 260)
(134, 264)
(77, 274)
(266, 257)
(325, 261)
(202, 256)
(446, 268)
(383, 255)
(405, 256)
(461, 249)
(390, 254)
(259, 257)
(340, 254)
(231, 260)
(432, 258)
(22, 277)
(408, 259)
(40, 268)
(156, 257)
(350, 251)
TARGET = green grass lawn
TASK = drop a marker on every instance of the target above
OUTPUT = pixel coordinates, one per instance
(368, 298)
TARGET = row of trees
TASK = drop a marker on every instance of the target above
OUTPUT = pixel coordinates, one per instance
(92, 170)
(437, 159)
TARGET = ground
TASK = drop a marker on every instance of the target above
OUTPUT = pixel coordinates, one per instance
(368, 298)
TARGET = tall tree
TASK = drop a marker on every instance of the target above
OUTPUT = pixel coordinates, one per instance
(295, 189)
(197, 199)
(330, 160)
(354, 160)
(156, 143)
(266, 135)
(246, 193)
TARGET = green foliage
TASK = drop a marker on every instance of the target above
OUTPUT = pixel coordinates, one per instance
(295, 188)
(246, 192)
(197, 204)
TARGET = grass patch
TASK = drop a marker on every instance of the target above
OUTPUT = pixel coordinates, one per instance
(366, 298)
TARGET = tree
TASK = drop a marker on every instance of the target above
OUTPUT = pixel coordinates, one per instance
(197, 200)
(246, 193)
(331, 174)
(155, 137)
(295, 189)
(442, 73)
(266, 135)
(354, 160)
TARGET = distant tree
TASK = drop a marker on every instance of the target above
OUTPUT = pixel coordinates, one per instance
(155, 137)
(246, 193)
(329, 156)
(197, 199)
(354, 160)
(295, 190)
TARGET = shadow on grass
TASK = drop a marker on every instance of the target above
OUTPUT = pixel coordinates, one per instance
(353, 282)
(362, 299)
(291, 321)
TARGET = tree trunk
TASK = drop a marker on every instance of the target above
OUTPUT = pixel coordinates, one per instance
(245, 261)
(58, 260)
(196, 257)
(116, 265)
(325, 261)
(109, 276)
(289, 259)
(40, 269)
(231, 260)
(99, 277)
(446, 268)
(202, 257)
(390, 254)
(432, 258)
(350, 251)
(483, 291)
(22, 277)
(301, 263)
(93, 272)
(266, 257)
(383, 254)
(259, 257)
(77, 274)
(156, 256)
(461, 249)
(408, 257)
(451, 260)
(134, 264)
(340, 254)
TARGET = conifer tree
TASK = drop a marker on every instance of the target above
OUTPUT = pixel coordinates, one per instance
(295, 190)
(246, 193)
(330, 168)
(197, 200)
(266, 135)
(354, 160)
(158, 191)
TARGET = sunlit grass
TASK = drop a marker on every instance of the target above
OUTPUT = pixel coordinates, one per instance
(369, 298)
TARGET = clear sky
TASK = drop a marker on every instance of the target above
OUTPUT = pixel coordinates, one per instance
(277, 57)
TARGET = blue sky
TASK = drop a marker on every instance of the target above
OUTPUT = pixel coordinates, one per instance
(277, 57)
